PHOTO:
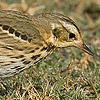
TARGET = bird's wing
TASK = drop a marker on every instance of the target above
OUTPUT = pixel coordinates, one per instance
(21, 44)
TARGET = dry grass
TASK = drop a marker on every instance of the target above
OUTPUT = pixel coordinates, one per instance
(68, 74)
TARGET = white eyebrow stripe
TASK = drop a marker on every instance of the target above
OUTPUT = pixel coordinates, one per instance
(70, 27)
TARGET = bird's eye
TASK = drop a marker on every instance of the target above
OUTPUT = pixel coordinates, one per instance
(71, 35)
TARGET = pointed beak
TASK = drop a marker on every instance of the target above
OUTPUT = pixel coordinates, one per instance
(83, 47)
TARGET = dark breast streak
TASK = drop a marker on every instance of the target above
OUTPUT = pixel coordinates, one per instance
(22, 45)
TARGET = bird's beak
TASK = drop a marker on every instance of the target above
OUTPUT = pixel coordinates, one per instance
(83, 47)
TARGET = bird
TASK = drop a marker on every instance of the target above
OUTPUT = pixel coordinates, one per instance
(26, 39)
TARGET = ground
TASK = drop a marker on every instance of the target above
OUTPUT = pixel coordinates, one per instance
(68, 73)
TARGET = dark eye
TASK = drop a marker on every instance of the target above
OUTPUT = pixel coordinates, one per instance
(71, 35)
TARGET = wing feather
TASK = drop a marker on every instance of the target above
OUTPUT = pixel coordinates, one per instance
(20, 43)
(17, 55)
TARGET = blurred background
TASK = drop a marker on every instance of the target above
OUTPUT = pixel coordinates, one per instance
(68, 73)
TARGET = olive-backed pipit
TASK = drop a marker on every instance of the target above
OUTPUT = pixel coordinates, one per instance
(26, 39)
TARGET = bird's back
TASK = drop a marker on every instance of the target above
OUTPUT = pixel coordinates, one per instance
(21, 43)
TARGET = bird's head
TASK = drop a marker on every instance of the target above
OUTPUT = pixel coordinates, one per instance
(64, 32)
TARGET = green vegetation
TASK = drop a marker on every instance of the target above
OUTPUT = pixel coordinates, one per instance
(68, 73)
